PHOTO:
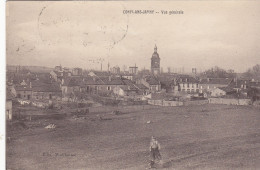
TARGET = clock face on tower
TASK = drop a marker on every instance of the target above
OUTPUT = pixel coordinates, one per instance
(156, 64)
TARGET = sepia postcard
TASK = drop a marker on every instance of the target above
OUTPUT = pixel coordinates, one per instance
(132, 85)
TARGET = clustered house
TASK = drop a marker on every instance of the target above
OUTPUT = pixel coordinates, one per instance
(63, 83)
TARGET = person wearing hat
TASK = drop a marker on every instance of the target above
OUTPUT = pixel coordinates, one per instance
(154, 149)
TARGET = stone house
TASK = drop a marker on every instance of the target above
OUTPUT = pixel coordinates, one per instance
(46, 92)
(188, 84)
(217, 92)
(102, 85)
(209, 84)
(38, 91)
(23, 92)
(151, 82)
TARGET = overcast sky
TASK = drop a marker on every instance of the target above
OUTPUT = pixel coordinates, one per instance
(81, 34)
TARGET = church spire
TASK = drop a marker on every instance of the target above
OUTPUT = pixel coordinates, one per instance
(155, 48)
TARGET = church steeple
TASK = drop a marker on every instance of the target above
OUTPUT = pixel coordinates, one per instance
(155, 62)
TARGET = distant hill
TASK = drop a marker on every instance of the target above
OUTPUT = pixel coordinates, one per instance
(31, 68)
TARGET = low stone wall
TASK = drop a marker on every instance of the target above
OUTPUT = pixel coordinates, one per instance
(230, 101)
(195, 102)
(165, 103)
(172, 103)
(201, 102)
(155, 102)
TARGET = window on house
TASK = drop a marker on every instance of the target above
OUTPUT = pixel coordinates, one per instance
(192, 85)
(197, 85)
(188, 85)
(108, 88)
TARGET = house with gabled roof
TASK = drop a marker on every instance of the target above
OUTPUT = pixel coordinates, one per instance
(188, 84)
(208, 84)
(71, 85)
(151, 82)
(46, 91)
(36, 90)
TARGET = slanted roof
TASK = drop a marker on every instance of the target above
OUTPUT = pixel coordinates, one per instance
(41, 86)
(239, 83)
(108, 80)
(128, 88)
(141, 86)
(46, 88)
(111, 80)
(221, 81)
(129, 83)
(88, 80)
(99, 73)
(152, 80)
(73, 81)
(227, 89)
(186, 79)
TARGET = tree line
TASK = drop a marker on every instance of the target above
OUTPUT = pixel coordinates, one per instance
(217, 72)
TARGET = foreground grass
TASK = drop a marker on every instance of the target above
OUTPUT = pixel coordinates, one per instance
(192, 137)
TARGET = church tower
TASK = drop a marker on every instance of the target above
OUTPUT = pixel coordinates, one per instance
(155, 62)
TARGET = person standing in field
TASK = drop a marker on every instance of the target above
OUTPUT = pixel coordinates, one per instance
(154, 149)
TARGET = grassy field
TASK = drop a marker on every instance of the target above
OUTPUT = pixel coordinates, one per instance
(191, 137)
